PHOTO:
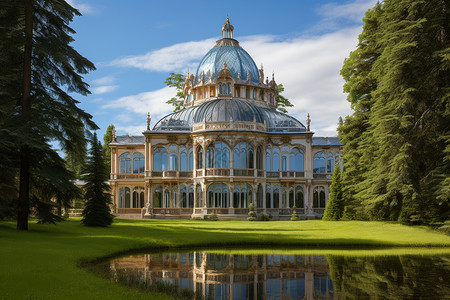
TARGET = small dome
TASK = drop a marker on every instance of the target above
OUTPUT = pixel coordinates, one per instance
(224, 110)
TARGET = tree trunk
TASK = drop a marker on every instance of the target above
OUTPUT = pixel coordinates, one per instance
(24, 186)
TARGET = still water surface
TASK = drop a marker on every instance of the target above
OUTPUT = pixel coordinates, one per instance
(220, 275)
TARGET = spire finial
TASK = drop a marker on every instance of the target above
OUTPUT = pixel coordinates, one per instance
(113, 133)
(227, 29)
(308, 123)
(148, 120)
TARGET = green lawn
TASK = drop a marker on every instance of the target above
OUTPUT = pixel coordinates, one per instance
(43, 262)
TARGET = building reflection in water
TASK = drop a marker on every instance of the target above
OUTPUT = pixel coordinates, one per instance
(229, 276)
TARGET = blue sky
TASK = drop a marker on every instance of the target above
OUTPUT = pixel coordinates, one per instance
(135, 45)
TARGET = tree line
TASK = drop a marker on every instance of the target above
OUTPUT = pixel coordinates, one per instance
(396, 156)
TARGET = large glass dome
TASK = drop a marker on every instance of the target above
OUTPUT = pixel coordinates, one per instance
(224, 110)
(237, 59)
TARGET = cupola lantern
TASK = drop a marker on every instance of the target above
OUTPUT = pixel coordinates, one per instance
(227, 29)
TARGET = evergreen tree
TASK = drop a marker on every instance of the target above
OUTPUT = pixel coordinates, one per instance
(251, 212)
(294, 216)
(107, 138)
(335, 206)
(396, 163)
(97, 211)
(41, 69)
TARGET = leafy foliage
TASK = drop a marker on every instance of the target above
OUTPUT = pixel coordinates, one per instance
(107, 138)
(97, 211)
(396, 143)
(251, 212)
(335, 206)
(294, 216)
(282, 102)
(177, 81)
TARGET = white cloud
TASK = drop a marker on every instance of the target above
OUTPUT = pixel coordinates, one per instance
(333, 14)
(137, 106)
(84, 8)
(175, 58)
(103, 89)
(107, 80)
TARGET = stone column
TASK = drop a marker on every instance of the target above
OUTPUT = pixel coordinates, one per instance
(308, 158)
(194, 167)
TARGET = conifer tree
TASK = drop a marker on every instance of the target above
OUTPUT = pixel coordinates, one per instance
(396, 164)
(335, 206)
(41, 69)
(107, 138)
(97, 211)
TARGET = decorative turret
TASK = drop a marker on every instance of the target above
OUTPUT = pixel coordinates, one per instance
(227, 29)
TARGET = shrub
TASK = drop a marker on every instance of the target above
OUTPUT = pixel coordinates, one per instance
(212, 217)
(294, 216)
(264, 217)
(251, 213)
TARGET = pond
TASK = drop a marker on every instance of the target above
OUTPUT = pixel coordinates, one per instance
(246, 274)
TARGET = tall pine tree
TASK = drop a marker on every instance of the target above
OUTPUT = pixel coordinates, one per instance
(97, 211)
(402, 142)
(335, 205)
(46, 68)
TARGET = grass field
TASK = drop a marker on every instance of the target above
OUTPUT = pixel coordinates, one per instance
(43, 263)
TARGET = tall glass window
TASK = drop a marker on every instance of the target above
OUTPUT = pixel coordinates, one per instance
(138, 162)
(330, 163)
(198, 190)
(218, 196)
(268, 196)
(259, 159)
(259, 196)
(173, 163)
(183, 196)
(319, 197)
(243, 156)
(283, 198)
(296, 160)
(124, 197)
(299, 196)
(191, 159)
(242, 195)
(319, 163)
(183, 159)
(276, 159)
(160, 159)
(284, 162)
(200, 157)
(191, 196)
(166, 198)
(218, 156)
(276, 196)
(125, 163)
(157, 196)
(268, 161)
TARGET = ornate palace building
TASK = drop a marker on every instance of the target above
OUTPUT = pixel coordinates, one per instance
(228, 147)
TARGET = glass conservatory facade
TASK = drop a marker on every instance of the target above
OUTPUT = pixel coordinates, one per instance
(227, 148)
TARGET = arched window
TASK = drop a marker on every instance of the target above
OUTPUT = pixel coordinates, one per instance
(174, 199)
(160, 159)
(291, 198)
(268, 161)
(138, 162)
(268, 196)
(218, 156)
(157, 196)
(198, 190)
(283, 198)
(242, 195)
(319, 163)
(173, 162)
(299, 196)
(330, 163)
(166, 198)
(141, 199)
(183, 159)
(125, 163)
(191, 159)
(243, 156)
(183, 197)
(200, 157)
(254, 93)
(271, 99)
(218, 196)
(296, 160)
(319, 197)
(135, 199)
(259, 196)
(276, 159)
(276, 196)
(191, 196)
(124, 197)
(284, 162)
(259, 159)
(247, 92)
